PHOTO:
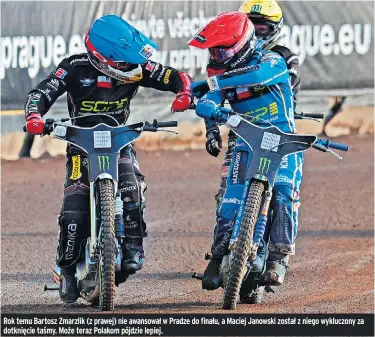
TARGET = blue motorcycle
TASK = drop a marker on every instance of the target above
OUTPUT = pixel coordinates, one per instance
(98, 269)
(268, 146)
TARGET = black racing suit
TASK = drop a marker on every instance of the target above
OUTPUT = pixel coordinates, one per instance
(90, 92)
(292, 62)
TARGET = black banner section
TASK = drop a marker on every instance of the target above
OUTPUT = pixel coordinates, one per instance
(97, 324)
(333, 39)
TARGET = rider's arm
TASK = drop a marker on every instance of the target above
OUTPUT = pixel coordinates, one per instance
(164, 78)
(270, 71)
(41, 98)
(292, 62)
(293, 66)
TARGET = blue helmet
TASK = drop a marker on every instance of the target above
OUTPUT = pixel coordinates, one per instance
(115, 47)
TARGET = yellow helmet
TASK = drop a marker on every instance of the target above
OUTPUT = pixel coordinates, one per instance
(267, 17)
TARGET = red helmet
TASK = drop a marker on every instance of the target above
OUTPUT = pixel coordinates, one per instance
(225, 36)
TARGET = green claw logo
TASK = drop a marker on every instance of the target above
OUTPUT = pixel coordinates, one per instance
(264, 165)
(103, 160)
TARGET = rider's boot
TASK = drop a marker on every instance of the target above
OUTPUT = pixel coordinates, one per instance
(68, 290)
(211, 277)
(133, 257)
(276, 267)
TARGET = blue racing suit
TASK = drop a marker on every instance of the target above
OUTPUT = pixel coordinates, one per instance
(260, 89)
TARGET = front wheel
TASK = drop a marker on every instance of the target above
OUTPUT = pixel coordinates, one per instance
(243, 246)
(107, 246)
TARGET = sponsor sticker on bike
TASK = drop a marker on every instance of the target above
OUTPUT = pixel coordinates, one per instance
(76, 168)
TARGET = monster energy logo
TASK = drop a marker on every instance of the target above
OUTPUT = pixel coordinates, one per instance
(103, 163)
(264, 165)
(256, 9)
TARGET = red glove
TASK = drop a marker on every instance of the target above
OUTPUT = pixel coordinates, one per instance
(182, 101)
(35, 124)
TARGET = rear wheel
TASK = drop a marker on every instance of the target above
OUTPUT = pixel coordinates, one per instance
(243, 246)
(255, 297)
(107, 246)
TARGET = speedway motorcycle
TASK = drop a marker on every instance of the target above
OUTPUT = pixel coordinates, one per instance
(96, 272)
(268, 147)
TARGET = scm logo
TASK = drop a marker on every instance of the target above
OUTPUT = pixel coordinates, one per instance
(101, 106)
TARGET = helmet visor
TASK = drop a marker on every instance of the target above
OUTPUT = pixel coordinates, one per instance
(262, 30)
(223, 54)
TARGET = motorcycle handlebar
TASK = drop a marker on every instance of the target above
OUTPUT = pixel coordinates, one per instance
(324, 144)
(48, 127)
(170, 124)
(312, 115)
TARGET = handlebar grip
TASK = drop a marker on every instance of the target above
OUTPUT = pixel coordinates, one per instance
(313, 115)
(338, 146)
(170, 124)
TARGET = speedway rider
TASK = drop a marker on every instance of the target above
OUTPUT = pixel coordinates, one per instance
(267, 17)
(103, 80)
(256, 83)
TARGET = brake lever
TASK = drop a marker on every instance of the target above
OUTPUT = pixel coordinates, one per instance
(175, 132)
(334, 154)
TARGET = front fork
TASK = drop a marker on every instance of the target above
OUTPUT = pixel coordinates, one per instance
(261, 224)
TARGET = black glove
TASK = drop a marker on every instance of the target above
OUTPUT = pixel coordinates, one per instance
(214, 141)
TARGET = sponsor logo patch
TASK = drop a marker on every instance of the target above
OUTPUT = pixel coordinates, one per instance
(150, 66)
(212, 83)
(104, 82)
(166, 77)
(61, 73)
(86, 82)
(147, 51)
(54, 84)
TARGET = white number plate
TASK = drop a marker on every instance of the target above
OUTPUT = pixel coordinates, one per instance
(270, 141)
(102, 139)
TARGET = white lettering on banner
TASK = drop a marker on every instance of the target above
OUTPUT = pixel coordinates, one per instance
(307, 40)
(36, 52)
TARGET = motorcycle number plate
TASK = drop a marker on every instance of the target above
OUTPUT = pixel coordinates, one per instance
(102, 139)
(270, 141)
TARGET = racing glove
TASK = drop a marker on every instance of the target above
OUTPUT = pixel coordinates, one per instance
(214, 141)
(34, 124)
(182, 101)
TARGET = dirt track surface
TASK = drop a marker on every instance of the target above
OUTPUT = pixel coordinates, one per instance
(331, 272)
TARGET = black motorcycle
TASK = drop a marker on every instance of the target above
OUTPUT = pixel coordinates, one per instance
(102, 258)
